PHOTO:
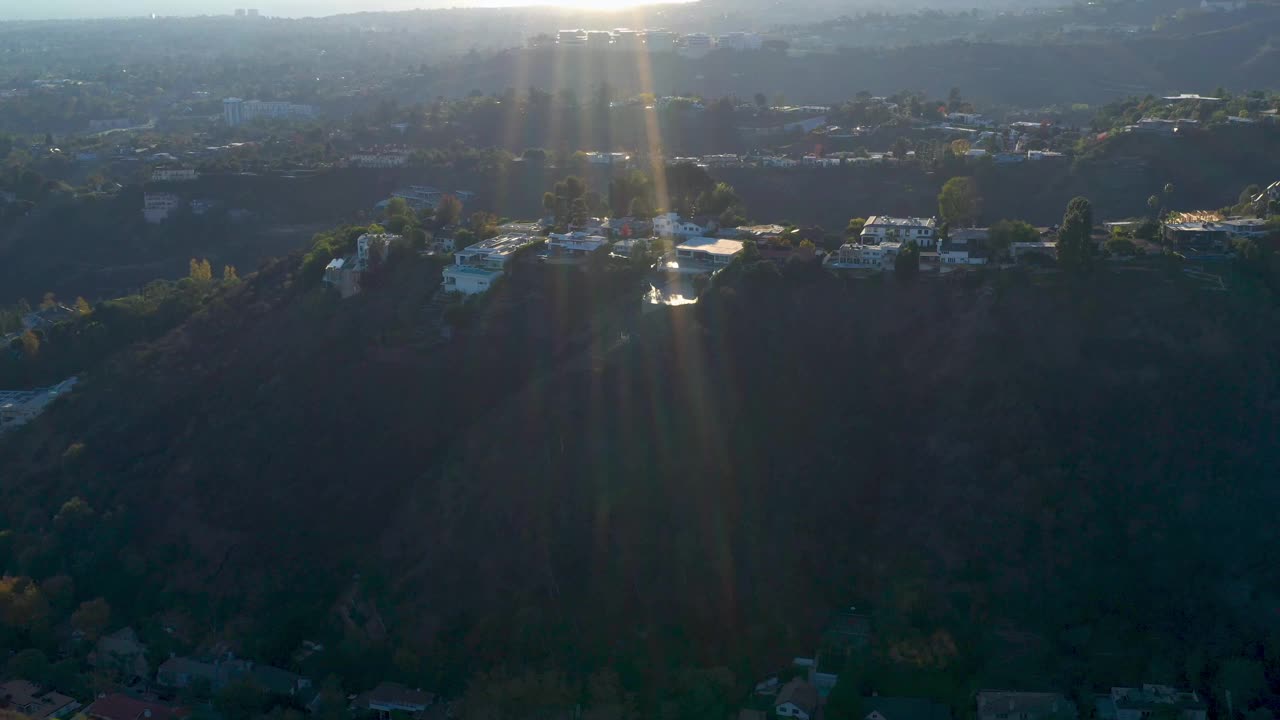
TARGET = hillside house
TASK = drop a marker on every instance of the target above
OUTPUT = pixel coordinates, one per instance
(122, 707)
(704, 252)
(1200, 236)
(797, 699)
(964, 247)
(19, 407)
(880, 228)
(1240, 227)
(1140, 703)
(173, 175)
(903, 708)
(672, 225)
(1027, 251)
(27, 698)
(379, 158)
(184, 672)
(478, 267)
(158, 207)
(572, 248)
(121, 652)
(857, 256)
(390, 697)
(1014, 705)
(341, 275)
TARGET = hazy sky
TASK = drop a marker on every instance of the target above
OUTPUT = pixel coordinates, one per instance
(41, 9)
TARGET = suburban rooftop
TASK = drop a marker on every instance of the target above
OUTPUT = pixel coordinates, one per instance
(900, 222)
(713, 246)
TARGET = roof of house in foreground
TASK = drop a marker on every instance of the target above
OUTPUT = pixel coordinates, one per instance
(714, 246)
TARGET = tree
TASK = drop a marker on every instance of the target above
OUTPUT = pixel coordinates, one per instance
(959, 203)
(961, 147)
(1244, 680)
(463, 238)
(907, 264)
(397, 207)
(900, 148)
(82, 307)
(92, 618)
(29, 344)
(448, 211)
(845, 700)
(762, 102)
(1075, 237)
(199, 270)
(854, 228)
(48, 302)
(230, 274)
(1005, 233)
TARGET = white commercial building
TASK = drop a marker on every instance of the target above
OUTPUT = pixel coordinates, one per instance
(478, 267)
(19, 407)
(883, 227)
(659, 41)
(599, 39)
(571, 38)
(157, 207)
(624, 39)
(697, 45)
(237, 112)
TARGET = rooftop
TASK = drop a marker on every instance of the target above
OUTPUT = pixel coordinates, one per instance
(900, 222)
(1150, 696)
(470, 270)
(502, 245)
(713, 246)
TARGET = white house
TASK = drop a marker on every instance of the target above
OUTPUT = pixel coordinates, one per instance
(384, 158)
(388, 698)
(1223, 5)
(574, 247)
(797, 699)
(173, 175)
(705, 251)
(964, 247)
(856, 256)
(740, 41)
(369, 246)
(672, 225)
(1241, 227)
(883, 227)
(477, 267)
(157, 207)
(969, 119)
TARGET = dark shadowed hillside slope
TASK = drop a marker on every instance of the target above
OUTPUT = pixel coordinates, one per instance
(572, 483)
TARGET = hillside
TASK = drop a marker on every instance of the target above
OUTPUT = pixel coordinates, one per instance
(571, 483)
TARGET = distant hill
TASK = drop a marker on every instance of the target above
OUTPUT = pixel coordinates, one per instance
(1238, 58)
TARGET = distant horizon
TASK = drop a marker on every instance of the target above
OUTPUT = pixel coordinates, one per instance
(292, 9)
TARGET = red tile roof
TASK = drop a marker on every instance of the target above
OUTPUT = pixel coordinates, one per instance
(123, 707)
